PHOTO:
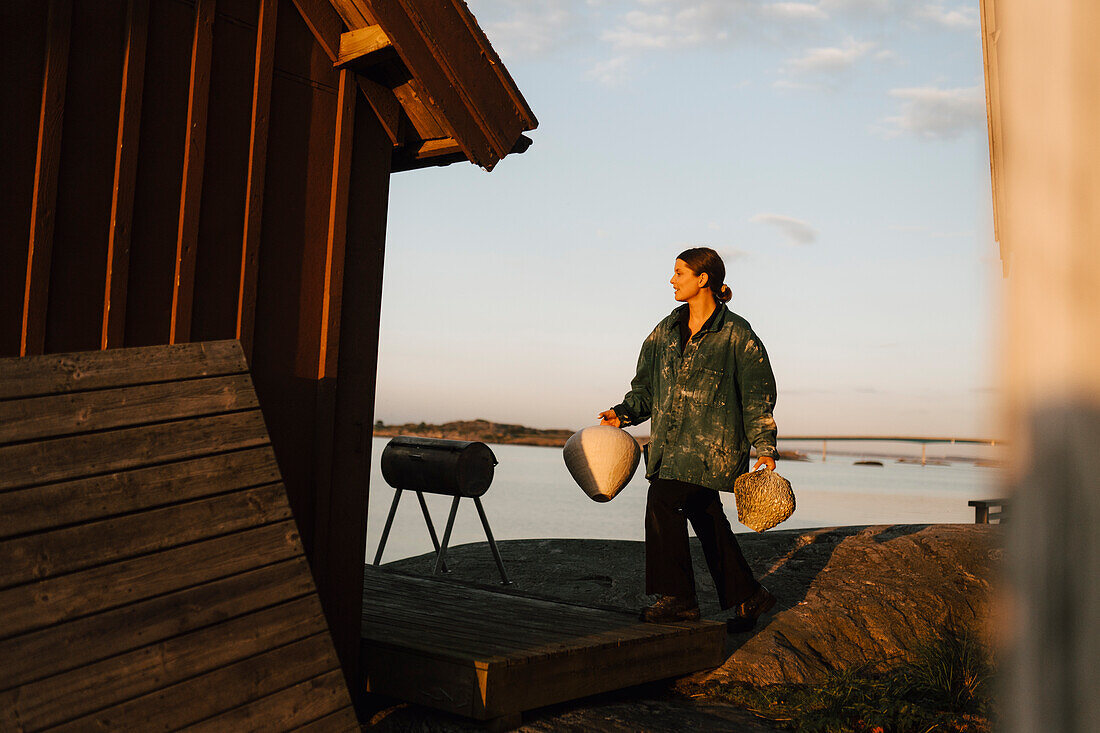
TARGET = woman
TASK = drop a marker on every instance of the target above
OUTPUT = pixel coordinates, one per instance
(705, 380)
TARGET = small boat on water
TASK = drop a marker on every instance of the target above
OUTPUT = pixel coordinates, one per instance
(867, 463)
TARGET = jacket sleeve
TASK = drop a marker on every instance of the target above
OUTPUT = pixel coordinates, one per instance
(757, 384)
(637, 404)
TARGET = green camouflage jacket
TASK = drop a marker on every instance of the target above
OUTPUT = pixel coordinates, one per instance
(708, 403)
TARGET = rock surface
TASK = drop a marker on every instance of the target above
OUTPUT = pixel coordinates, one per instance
(847, 596)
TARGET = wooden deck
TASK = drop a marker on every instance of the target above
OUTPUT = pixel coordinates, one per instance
(491, 655)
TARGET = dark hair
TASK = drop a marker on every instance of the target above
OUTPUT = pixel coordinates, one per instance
(705, 259)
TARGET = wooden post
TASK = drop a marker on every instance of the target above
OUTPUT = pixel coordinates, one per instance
(257, 164)
(126, 157)
(1043, 61)
(824, 447)
(923, 453)
(47, 161)
(194, 157)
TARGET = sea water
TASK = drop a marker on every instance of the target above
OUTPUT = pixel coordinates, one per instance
(533, 496)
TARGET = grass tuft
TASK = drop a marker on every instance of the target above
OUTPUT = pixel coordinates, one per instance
(944, 687)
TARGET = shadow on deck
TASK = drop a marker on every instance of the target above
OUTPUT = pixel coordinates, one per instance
(489, 655)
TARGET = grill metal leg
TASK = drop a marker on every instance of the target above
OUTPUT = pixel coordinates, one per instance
(492, 542)
(431, 527)
(389, 523)
(446, 536)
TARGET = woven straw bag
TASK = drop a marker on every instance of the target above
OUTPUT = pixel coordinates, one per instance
(764, 499)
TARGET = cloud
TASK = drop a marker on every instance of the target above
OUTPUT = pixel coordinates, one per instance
(610, 72)
(857, 6)
(961, 18)
(525, 28)
(670, 24)
(732, 254)
(937, 114)
(830, 59)
(795, 230)
(793, 11)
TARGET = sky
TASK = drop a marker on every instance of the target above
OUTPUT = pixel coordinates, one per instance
(834, 152)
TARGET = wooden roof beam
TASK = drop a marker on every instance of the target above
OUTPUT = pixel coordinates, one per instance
(362, 46)
(327, 28)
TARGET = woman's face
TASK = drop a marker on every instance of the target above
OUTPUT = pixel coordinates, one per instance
(685, 283)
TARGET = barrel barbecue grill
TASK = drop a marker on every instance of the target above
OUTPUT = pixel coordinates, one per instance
(456, 468)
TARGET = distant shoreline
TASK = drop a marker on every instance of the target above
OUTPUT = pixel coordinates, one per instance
(484, 431)
(487, 431)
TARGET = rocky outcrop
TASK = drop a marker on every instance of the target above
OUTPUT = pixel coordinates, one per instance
(847, 596)
(869, 595)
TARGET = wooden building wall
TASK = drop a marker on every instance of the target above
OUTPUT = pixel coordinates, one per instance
(180, 171)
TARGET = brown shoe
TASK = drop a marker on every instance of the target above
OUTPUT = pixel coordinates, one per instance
(750, 610)
(671, 608)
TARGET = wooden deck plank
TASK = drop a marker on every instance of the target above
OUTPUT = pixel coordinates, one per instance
(286, 710)
(64, 459)
(84, 412)
(84, 370)
(215, 692)
(486, 654)
(533, 624)
(84, 500)
(39, 556)
(497, 643)
(58, 649)
(32, 606)
(148, 553)
(63, 697)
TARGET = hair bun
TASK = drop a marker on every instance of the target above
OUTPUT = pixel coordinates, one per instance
(724, 293)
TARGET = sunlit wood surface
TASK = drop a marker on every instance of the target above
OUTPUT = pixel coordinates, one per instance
(489, 655)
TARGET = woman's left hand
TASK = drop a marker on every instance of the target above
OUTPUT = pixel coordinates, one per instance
(765, 461)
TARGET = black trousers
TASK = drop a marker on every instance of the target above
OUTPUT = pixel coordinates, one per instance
(668, 571)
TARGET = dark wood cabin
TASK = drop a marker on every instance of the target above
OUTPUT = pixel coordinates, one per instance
(192, 170)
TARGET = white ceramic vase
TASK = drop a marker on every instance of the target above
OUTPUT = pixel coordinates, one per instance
(601, 459)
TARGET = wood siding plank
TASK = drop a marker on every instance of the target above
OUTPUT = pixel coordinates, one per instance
(222, 213)
(198, 102)
(39, 556)
(85, 500)
(126, 156)
(63, 697)
(285, 710)
(354, 390)
(159, 173)
(23, 39)
(57, 649)
(46, 169)
(65, 459)
(257, 166)
(337, 227)
(35, 605)
(84, 412)
(323, 22)
(218, 691)
(88, 370)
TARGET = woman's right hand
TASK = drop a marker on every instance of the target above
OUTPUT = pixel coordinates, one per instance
(608, 417)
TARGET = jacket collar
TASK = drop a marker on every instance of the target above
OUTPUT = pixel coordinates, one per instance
(714, 323)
